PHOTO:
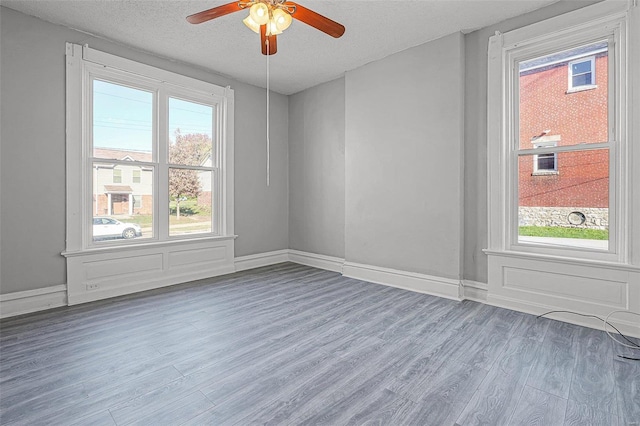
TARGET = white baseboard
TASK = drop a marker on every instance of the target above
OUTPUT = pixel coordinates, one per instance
(320, 261)
(474, 290)
(421, 283)
(26, 302)
(242, 263)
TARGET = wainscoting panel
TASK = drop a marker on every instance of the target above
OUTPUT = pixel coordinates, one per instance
(100, 274)
(540, 285)
(596, 290)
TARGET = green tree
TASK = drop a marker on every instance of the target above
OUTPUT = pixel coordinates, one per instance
(191, 149)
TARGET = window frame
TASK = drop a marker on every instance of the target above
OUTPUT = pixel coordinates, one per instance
(536, 167)
(83, 65)
(570, 74)
(606, 21)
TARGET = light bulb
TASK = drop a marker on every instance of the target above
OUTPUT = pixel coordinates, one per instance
(259, 12)
(272, 28)
(282, 19)
(253, 26)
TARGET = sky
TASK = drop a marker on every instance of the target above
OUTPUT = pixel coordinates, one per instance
(123, 117)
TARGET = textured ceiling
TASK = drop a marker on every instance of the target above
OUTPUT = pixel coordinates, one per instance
(305, 58)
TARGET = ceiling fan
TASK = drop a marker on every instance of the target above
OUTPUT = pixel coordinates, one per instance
(269, 18)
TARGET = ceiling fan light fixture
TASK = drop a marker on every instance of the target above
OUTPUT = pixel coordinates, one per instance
(259, 13)
(251, 24)
(282, 19)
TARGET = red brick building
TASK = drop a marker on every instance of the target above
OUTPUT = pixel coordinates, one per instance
(563, 101)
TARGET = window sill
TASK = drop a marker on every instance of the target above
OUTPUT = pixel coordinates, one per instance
(581, 88)
(546, 173)
(146, 245)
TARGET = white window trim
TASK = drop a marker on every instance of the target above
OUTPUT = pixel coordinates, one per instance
(539, 281)
(594, 22)
(82, 61)
(572, 88)
(100, 271)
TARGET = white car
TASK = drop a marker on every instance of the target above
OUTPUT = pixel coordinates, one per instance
(106, 227)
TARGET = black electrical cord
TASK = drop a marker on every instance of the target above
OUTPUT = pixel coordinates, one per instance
(634, 344)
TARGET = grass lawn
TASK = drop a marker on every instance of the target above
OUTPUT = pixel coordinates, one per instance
(190, 213)
(560, 232)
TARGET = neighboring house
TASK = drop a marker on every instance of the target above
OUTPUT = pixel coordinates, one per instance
(563, 101)
(122, 189)
(127, 190)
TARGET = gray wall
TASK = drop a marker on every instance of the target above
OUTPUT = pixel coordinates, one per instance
(316, 169)
(475, 129)
(32, 168)
(403, 168)
(400, 177)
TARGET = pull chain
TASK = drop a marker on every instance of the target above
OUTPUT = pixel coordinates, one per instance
(268, 144)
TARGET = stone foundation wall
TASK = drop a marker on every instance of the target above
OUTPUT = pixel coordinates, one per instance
(595, 218)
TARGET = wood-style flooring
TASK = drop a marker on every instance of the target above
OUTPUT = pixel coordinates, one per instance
(293, 345)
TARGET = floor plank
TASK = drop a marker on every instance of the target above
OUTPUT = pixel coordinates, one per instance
(553, 369)
(539, 408)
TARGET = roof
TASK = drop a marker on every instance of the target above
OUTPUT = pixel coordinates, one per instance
(122, 154)
(118, 189)
(561, 58)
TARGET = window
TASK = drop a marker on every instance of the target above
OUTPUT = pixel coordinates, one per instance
(158, 135)
(582, 73)
(543, 164)
(562, 153)
(569, 173)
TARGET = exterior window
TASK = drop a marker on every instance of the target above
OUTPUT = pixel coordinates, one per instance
(123, 138)
(571, 174)
(545, 163)
(154, 158)
(582, 73)
(558, 161)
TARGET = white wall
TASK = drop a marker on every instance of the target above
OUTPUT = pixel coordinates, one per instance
(32, 169)
(316, 170)
(403, 168)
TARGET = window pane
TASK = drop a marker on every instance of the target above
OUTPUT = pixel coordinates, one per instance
(546, 162)
(581, 67)
(122, 122)
(549, 111)
(581, 80)
(191, 133)
(570, 208)
(190, 203)
(124, 209)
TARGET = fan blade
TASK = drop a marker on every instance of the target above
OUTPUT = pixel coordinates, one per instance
(273, 43)
(216, 12)
(316, 20)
